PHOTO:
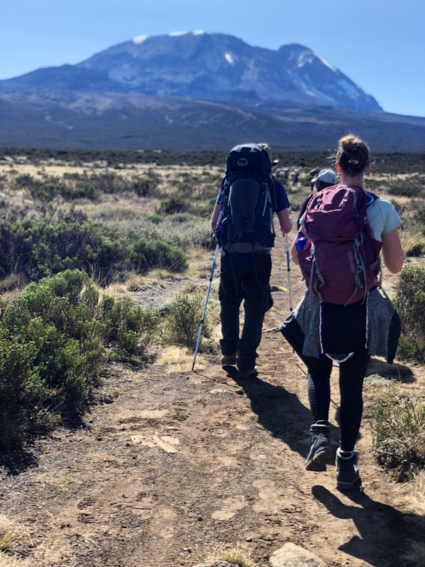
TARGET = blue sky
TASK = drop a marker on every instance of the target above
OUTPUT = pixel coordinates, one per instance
(379, 44)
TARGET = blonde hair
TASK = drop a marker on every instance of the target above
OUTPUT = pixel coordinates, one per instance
(352, 155)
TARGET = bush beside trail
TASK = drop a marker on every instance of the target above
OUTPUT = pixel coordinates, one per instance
(410, 304)
(37, 249)
(52, 339)
(399, 435)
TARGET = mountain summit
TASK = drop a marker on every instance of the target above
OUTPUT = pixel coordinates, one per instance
(200, 66)
(223, 68)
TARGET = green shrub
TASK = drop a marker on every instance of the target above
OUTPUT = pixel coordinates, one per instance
(175, 204)
(52, 340)
(399, 207)
(416, 251)
(82, 186)
(183, 320)
(37, 249)
(156, 219)
(399, 435)
(410, 304)
(144, 187)
(204, 211)
(409, 187)
(419, 215)
(52, 187)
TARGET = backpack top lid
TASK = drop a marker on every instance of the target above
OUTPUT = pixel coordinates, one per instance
(250, 159)
(336, 214)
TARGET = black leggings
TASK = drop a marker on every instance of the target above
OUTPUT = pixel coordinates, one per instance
(351, 376)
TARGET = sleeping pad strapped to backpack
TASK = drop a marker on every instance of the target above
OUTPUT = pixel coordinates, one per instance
(248, 200)
(340, 261)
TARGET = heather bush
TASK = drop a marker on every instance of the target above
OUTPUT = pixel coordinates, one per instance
(399, 435)
(183, 320)
(409, 187)
(37, 249)
(82, 186)
(52, 348)
(410, 304)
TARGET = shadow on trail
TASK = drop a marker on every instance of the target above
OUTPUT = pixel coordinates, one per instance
(18, 461)
(384, 531)
(396, 371)
(278, 411)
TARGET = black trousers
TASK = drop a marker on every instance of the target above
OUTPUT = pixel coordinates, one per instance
(244, 276)
(351, 376)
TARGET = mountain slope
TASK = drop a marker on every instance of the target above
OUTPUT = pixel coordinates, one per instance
(119, 121)
(198, 66)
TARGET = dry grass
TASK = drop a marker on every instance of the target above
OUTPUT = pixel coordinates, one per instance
(239, 555)
(178, 360)
(8, 561)
(412, 242)
(411, 497)
(11, 533)
(380, 387)
(416, 554)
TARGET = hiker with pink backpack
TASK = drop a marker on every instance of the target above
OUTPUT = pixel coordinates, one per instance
(343, 316)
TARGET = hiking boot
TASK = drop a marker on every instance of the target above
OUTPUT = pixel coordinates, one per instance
(347, 473)
(248, 373)
(320, 452)
(229, 359)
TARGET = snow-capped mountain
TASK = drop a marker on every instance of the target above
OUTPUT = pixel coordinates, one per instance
(201, 66)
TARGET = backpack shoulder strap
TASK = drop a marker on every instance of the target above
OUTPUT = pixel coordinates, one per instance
(371, 197)
(273, 192)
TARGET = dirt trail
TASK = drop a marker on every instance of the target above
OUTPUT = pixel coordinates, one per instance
(179, 461)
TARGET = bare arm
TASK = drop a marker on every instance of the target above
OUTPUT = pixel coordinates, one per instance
(214, 217)
(392, 251)
(284, 221)
(294, 251)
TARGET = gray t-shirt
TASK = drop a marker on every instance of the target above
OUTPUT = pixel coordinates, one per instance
(383, 218)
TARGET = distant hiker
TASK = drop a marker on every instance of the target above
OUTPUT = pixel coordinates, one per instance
(294, 178)
(343, 316)
(285, 174)
(242, 221)
(312, 176)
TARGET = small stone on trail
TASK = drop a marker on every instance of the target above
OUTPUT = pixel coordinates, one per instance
(215, 563)
(291, 555)
(199, 518)
(173, 428)
(219, 392)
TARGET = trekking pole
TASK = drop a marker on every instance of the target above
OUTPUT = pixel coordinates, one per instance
(289, 272)
(205, 306)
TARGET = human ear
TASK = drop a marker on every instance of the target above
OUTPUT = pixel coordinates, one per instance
(366, 169)
(338, 167)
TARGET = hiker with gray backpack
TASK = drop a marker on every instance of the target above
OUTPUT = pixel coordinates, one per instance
(242, 222)
(343, 317)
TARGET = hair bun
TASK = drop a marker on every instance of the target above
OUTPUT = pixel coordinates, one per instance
(349, 144)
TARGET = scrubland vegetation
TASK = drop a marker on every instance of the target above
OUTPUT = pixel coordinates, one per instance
(71, 245)
(79, 231)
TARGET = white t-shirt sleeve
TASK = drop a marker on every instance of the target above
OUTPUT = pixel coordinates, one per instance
(383, 218)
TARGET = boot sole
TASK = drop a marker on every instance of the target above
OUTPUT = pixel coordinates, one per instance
(319, 461)
(344, 486)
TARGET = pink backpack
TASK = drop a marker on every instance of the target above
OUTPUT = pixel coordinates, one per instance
(340, 261)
